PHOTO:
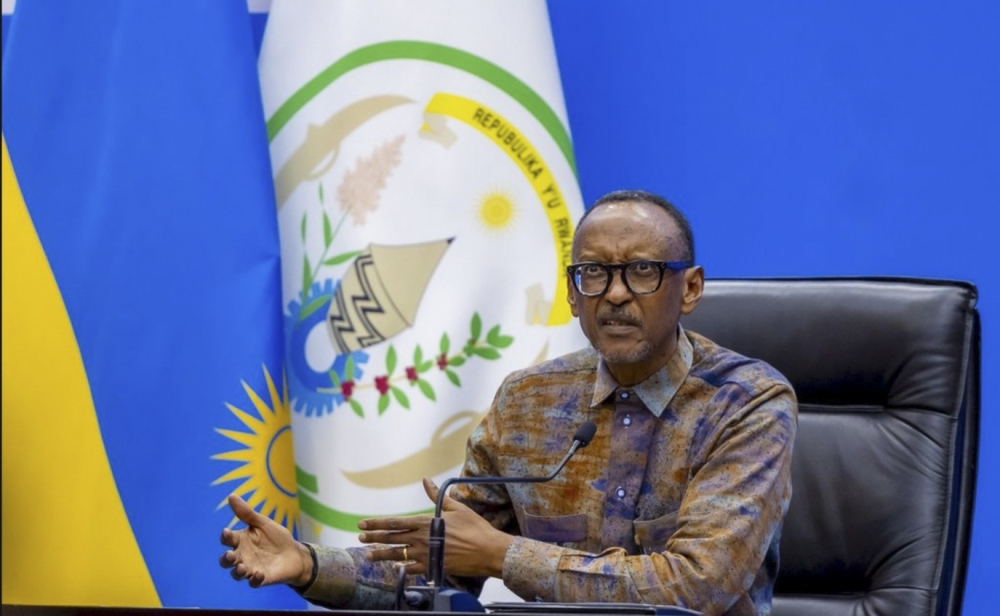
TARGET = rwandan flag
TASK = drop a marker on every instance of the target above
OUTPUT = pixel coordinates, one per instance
(142, 375)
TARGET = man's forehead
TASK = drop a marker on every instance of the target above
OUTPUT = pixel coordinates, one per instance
(637, 215)
(638, 211)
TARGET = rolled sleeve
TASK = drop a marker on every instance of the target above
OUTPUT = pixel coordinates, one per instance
(346, 578)
(335, 584)
(529, 568)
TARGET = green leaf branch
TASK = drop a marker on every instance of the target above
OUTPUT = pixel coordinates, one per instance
(310, 271)
(390, 385)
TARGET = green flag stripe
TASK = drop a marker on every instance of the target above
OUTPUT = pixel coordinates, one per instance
(432, 52)
(306, 480)
(339, 519)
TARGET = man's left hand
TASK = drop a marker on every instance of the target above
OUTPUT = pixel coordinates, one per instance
(472, 546)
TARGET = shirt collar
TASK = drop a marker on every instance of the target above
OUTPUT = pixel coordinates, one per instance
(658, 390)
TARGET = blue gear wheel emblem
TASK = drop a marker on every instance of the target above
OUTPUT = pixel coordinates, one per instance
(304, 382)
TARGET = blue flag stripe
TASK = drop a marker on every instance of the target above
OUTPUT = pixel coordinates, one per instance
(140, 146)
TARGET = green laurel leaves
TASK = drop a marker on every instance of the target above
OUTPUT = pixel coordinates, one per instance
(417, 374)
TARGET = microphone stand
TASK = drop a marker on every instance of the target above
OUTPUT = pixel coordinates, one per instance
(448, 599)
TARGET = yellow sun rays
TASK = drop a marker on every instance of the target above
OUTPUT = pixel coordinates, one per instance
(497, 211)
(268, 465)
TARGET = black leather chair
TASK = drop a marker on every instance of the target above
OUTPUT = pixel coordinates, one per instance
(884, 465)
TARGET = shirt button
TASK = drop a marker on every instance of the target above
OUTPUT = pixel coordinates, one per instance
(620, 492)
(627, 420)
(624, 395)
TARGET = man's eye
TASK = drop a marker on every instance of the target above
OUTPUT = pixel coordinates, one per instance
(591, 270)
(642, 266)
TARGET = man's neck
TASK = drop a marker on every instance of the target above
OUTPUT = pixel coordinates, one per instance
(630, 375)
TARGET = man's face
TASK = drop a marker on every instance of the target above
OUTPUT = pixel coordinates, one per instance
(635, 334)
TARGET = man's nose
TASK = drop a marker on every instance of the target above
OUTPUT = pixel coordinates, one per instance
(618, 292)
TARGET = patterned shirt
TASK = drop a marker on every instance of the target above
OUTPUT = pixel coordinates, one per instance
(677, 500)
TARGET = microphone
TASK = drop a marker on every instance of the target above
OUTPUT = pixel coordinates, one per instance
(446, 601)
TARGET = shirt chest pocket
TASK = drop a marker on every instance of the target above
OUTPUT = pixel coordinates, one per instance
(651, 535)
(556, 528)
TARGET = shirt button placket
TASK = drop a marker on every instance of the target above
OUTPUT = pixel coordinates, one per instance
(626, 466)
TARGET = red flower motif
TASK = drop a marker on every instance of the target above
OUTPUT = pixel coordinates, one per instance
(411, 373)
(443, 361)
(346, 389)
(382, 384)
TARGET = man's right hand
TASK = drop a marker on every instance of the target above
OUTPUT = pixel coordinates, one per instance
(264, 552)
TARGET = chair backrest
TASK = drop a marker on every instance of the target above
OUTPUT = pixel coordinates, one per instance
(884, 466)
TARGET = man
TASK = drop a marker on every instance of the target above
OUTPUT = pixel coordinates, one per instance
(677, 500)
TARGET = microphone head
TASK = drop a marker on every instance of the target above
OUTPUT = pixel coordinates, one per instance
(585, 434)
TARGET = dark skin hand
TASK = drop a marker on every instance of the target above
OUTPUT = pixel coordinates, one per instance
(472, 546)
(264, 552)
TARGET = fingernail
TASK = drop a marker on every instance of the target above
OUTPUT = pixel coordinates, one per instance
(362, 525)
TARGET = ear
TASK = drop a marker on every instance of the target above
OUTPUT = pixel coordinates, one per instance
(694, 286)
(571, 297)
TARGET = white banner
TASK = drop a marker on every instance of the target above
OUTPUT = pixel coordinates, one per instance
(427, 197)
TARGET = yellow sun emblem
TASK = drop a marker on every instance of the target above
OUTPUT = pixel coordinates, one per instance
(268, 469)
(497, 211)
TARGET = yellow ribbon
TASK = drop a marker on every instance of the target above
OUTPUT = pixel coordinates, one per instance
(507, 137)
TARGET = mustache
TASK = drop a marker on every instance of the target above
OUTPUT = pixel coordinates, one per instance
(619, 314)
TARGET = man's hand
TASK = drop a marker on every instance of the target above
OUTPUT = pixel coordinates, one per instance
(264, 552)
(472, 546)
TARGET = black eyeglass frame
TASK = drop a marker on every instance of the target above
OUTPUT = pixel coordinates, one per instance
(573, 271)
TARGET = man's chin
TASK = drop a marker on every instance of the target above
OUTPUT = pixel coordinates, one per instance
(616, 356)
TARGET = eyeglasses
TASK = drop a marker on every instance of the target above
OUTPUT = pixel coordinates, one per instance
(640, 277)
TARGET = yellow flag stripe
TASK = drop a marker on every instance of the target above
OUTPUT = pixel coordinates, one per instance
(507, 137)
(66, 538)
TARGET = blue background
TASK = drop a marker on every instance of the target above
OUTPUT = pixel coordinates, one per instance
(805, 139)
